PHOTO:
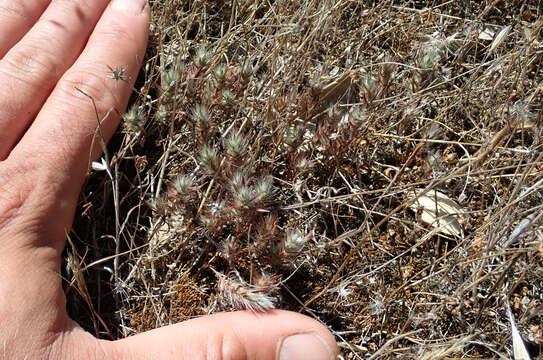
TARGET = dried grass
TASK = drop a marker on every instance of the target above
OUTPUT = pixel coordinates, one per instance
(348, 109)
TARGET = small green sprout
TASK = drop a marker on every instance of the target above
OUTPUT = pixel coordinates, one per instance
(246, 72)
(228, 97)
(208, 93)
(429, 59)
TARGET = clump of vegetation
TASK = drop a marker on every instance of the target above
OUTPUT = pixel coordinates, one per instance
(377, 166)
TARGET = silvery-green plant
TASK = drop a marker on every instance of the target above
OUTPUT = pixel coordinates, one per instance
(183, 184)
(202, 57)
(200, 115)
(170, 77)
(235, 145)
(430, 57)
(162, 114)
(294, 241)
(263, 189)
(209, 158)
(134, 119)
(220, 74)
(228, 97)
(244, 197)
(369, 83)
(237, 180)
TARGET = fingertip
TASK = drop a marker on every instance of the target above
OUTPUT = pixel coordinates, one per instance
(134, 7)
(281, 335)
(310, 339)
(305, 346)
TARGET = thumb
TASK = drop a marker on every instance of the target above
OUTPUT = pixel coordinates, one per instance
(275, 335)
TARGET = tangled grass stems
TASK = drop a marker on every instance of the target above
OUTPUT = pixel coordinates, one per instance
(290, 138)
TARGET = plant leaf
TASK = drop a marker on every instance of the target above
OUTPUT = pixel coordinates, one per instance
(439, 211)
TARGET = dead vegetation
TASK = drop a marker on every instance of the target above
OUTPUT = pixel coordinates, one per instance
(376, 165)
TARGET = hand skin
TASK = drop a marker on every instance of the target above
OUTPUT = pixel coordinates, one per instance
(46, 132)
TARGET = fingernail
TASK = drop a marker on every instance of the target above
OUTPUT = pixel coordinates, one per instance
(130, 6)
(305, 347)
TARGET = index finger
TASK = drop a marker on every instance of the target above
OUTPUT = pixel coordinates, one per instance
(64, 131)
(16, 18)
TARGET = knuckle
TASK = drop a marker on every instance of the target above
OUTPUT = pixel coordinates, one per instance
(14, 190)
(229, 348)
(70, 7)
(22, 9)
(90, 81)
(32, 65)
(116, 32)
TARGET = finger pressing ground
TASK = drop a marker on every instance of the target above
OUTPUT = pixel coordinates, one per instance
(65, 130)
(16, 18)
(31, 69)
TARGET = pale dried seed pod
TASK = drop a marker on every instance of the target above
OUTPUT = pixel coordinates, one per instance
(239, 295)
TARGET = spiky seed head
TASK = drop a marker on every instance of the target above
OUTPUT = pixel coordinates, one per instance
(183, 184)
(244, 197)
(268, 225)
(220, 73)
(303, 164)
(134, 119)
(238, 180)
(294, 241)
(208, 157)
(229, 248)
(200, 115)
(209, 221)
(266, 281)
(202, 57)
(235, 145)
(238, 294)
(263, 189)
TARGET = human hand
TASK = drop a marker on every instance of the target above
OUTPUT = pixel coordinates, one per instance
(54, 49)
